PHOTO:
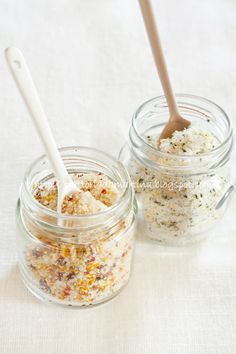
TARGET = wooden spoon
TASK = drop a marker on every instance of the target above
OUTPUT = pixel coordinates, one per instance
(175, 122)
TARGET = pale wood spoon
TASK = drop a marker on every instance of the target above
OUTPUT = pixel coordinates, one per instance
(175, 122)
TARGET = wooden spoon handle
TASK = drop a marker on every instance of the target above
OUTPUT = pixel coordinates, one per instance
(155, 42)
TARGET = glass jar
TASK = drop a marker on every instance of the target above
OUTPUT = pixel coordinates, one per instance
(180, 196)
(76, 260)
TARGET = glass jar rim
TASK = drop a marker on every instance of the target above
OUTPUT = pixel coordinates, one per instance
(157, 152)
(63, 216)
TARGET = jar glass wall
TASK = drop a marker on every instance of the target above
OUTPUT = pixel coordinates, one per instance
(76, 260)
(180, 196)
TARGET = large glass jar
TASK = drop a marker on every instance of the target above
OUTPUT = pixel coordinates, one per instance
(76, 260)
(180, 196)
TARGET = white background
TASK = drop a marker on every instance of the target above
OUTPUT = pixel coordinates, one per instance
(92, 66)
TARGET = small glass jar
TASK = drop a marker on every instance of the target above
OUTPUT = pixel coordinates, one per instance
(76, 260)
(180, 196)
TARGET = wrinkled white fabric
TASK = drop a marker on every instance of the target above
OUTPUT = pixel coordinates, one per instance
(92, 66)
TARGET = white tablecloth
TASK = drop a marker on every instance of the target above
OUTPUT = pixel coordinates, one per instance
(92, 65)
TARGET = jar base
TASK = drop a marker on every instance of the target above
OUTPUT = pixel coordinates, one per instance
(49, 299)
(183, 241)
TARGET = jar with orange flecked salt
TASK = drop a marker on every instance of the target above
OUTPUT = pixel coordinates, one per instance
(81, 256)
